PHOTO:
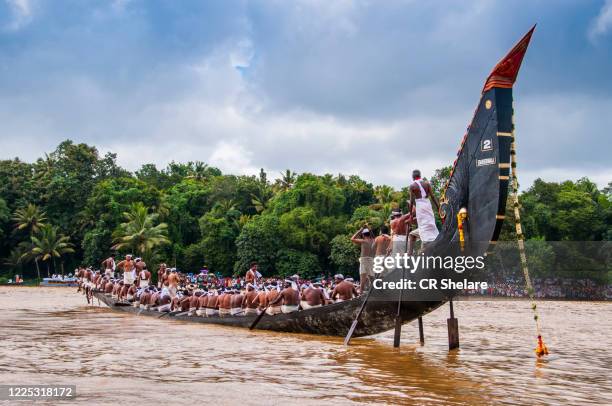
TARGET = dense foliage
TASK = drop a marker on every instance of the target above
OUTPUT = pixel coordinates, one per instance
(74, 206)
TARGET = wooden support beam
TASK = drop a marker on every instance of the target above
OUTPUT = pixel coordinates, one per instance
(421, 334)
(453, 329)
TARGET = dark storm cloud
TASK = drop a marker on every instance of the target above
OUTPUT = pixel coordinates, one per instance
(355, 87)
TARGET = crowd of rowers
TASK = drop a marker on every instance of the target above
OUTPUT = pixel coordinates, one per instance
(174, 292)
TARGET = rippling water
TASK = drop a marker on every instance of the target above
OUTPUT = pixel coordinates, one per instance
(50, 336)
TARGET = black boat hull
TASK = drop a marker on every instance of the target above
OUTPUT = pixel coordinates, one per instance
(331, 320)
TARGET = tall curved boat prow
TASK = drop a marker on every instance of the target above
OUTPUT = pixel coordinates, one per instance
(478, 183)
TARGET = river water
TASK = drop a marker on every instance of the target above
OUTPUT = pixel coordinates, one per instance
(50, 336)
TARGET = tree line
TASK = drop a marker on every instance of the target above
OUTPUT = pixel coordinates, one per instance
(74, 206)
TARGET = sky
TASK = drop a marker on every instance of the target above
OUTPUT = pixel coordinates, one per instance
(373, 88)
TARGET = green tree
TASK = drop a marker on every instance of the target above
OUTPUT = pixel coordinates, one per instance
(219, 229)
(259, 241)
(139, 232)
(5, 216)
(287, 179)
(49, 245)
(290, 262)
(29, 219)
(344, 255)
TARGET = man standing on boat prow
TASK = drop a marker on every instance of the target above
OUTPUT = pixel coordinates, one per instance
(363, 237)
(421, 197)
(109, 266)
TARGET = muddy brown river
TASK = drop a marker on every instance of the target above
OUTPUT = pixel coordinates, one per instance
(50, 336)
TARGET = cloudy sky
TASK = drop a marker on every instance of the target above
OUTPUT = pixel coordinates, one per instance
(374, 88)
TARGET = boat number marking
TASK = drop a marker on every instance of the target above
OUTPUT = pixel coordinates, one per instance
(487, 145)
(485, 161)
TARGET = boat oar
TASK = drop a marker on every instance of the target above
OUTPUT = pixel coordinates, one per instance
(169, 313)
(259, 316)
(398, 315)
(347, 339)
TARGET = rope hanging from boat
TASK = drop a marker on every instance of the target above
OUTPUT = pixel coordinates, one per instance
(541, 348)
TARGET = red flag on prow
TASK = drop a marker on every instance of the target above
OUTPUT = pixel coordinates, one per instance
(504, 73)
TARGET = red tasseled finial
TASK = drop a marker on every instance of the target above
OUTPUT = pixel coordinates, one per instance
(505, 72)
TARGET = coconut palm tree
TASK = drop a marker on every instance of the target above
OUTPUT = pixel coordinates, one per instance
(199, 172)
(14, 260)
(29, 219)
(287, 179)
(49, 245)
(384, 194)
(139, 233)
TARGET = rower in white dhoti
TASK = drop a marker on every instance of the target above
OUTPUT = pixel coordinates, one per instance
(421, 197)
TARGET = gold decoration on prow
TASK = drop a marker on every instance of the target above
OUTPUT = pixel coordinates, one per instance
(488, 104)
(442, 205)
(461, 217)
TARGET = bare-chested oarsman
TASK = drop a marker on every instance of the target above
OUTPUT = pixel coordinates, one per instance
(421, 198)
(108, 265)
(313, 296)
(129, 274)
(382, 243)
(399, 228)
(289, 298)
(251, 274)
(143, 276)
(364, 238)
(344, 289)
(162, 275)
(251, 300)
(173, 282)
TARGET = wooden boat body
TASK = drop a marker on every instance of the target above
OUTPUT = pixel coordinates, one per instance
(332, 320)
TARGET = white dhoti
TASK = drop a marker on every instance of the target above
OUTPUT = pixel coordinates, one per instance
(236, 311)
(272, 310)
(289, 308)
(428, 231)
(224, 312)
(306, 306)
(250, 312)
(212, 312)
(164, 308)
(143, 283)
(366, 266)
(200, 312)
(128, 278)
(109, 273)
(398, 244)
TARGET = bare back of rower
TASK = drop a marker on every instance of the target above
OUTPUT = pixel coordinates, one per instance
(344, 291)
